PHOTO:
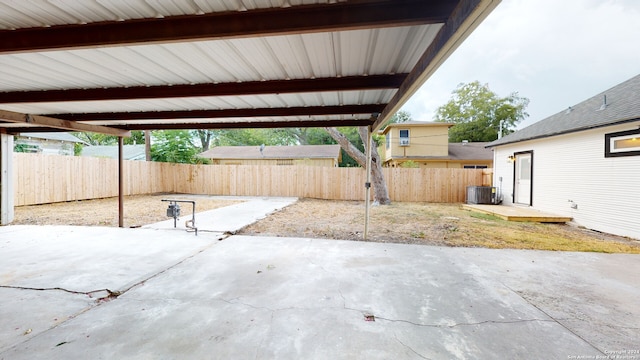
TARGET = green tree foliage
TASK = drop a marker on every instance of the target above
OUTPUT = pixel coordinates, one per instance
(479, 113)
(174, 146)
(409, 164)
(286, 136)
(252, 137)
(21, 148)
(401, 116)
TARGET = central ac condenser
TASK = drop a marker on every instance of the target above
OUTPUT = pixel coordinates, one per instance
(482, 195)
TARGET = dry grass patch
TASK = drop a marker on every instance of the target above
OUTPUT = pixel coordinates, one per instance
(432, 224)
(138, 210)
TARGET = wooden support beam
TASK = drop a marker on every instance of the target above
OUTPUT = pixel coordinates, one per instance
(463, 20)
(50, 122)
(208, 124)
(340, 16)
(345, 83)
(226, 113)
(253, 124)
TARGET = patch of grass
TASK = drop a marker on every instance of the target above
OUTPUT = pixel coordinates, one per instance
(434, 224)
(484, 216)
(533, 236)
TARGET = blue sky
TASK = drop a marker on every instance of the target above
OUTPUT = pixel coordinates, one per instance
(557, 53)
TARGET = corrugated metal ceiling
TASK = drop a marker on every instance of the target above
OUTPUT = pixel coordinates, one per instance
(385, 38)
(335, 54)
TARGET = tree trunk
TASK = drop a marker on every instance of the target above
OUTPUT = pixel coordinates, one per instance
(205, 138)
(380, 193)
(147, 145)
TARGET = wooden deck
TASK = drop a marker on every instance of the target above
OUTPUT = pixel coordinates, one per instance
(516, 213)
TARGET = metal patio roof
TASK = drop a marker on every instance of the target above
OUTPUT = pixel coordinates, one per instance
(118, 65)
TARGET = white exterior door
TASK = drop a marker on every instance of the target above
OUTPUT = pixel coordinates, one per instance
(523, 179)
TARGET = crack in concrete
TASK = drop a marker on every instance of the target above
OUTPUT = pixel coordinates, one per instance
(376, 317)
(409, 347)
(464, 324)
(110, 293)
(232, 302)
(265, 336)
(557, 321)
(152, 276)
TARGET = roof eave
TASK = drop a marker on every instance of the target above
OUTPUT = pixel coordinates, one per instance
(584, 128)
(462, 22)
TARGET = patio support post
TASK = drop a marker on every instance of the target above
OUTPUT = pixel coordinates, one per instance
(6, 179)
(120, 182)
(367, 185)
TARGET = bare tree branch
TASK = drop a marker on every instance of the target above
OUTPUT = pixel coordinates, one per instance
(381, 194)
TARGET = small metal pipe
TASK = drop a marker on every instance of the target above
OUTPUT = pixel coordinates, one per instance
(193, 214)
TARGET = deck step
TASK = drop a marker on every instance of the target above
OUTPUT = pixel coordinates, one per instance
(515, 213)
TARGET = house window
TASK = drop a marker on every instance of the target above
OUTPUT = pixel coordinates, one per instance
(404, 137)
(387, 141)
(475, 166)
(623, 143)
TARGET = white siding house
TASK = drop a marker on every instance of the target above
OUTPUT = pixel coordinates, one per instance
(583, 162)
(56, 143)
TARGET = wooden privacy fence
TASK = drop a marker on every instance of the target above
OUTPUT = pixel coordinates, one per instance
(41, 179)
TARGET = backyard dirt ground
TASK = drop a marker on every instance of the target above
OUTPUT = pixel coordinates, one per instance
(138, 210)
(409, 223)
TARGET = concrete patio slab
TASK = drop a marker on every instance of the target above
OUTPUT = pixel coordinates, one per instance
(80, 258)
(255, 297)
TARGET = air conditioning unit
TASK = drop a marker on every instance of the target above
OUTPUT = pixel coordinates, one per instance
(482, 195)
(404, 142)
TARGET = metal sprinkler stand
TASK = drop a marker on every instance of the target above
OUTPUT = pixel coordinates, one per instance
(174, 211)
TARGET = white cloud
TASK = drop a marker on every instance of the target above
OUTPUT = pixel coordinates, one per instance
(556, 53)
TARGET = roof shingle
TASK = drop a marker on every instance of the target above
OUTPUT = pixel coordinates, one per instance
(273, 152)
(622, 105)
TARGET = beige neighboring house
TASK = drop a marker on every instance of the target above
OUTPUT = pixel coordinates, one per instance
(426, 144)
(312, 155)
(56, 143)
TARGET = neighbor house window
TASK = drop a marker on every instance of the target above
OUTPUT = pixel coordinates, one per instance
(623, 143)
(404, 137)
(475, 166)
(387, 141)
